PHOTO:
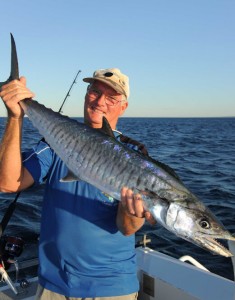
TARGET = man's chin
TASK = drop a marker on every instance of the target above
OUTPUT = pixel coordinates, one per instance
(95, 119)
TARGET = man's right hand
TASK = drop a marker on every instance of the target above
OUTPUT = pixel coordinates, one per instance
(12, 93)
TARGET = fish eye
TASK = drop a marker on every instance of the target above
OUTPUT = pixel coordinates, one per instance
(204, 223)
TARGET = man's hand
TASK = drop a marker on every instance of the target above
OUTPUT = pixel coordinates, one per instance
(12, 93)
(133, 204)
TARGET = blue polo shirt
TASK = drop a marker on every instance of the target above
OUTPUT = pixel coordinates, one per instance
(81, 251)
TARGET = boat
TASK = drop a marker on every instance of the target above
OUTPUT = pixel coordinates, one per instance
(161, 277)
(164, 278)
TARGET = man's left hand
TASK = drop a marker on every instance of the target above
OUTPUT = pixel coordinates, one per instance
(134, 205)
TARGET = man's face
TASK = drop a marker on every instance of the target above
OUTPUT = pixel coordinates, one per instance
(102, 100)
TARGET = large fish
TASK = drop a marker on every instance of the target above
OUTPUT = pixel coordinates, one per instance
(96, 157)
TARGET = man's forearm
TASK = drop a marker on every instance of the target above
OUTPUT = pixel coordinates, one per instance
(10, 156)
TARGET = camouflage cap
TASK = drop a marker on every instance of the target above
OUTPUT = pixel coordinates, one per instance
(112, 77)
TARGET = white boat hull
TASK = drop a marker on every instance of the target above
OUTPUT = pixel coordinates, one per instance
(164, 278)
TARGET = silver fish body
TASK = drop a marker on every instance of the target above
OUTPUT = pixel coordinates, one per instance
(99, 159)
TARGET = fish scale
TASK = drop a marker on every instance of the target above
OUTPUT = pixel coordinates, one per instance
(99, 159)
(50, 126)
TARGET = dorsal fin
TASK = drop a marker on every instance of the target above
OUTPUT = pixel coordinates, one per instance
(166, 168)
(106, 128)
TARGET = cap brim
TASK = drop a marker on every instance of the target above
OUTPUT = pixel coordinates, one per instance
(118, 89)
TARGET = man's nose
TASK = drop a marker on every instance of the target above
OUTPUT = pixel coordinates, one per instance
(101, 99)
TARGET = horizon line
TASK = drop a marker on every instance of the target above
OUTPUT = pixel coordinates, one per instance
(160, 117)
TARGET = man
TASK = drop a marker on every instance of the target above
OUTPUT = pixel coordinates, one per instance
(86, 247)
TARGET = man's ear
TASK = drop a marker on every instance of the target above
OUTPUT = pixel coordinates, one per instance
(123, 107)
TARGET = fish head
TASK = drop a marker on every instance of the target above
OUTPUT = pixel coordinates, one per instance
(197, 224)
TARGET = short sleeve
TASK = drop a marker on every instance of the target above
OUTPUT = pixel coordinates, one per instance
(38, 161)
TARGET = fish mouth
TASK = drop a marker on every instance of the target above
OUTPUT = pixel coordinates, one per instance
(212, 244)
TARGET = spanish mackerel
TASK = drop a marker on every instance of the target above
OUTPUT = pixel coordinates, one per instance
(96, 157)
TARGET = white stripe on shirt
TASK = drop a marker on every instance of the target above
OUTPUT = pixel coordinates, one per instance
(47, 147)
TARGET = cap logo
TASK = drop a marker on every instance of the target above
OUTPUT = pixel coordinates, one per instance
(108, 74)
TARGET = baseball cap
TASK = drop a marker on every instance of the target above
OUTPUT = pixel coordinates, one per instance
(112, 77)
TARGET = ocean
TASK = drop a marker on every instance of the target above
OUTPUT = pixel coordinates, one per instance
(200, 150)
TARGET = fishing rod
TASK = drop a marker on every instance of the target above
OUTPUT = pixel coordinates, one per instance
(8, 214)
(12, 206)
(60, 110)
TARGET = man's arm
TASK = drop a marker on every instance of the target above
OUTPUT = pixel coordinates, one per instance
(128, 224)
(13, 176)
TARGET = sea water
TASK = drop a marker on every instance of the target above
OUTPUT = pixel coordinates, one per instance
(200, 150)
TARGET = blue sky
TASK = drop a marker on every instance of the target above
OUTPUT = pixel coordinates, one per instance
(179, 54)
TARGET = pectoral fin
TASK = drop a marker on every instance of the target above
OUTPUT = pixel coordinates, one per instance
(70, 177)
